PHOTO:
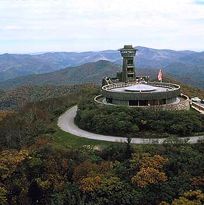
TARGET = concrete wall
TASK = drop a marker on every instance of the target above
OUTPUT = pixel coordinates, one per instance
(184, 104)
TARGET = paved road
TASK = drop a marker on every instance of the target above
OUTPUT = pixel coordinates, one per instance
(66, 123)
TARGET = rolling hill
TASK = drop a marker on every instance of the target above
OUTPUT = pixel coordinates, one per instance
(86, 73)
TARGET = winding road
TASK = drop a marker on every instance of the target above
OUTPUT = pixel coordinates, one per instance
(66, 123)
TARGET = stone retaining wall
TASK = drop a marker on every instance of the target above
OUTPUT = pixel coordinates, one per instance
(184, 104)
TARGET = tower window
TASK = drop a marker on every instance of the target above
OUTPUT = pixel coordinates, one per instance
(130, 69)
(130, 75)
(129, 61)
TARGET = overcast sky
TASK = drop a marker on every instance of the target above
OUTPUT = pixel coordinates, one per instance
(79, 25)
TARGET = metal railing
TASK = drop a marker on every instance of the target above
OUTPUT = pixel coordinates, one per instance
(157, 84)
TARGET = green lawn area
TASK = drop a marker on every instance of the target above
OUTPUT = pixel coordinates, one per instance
(63, 139)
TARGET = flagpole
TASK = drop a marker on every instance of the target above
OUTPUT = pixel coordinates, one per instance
(161, 75)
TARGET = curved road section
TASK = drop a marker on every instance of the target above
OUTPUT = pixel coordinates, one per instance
(66, 123)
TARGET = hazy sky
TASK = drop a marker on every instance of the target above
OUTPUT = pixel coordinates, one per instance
(79, 25)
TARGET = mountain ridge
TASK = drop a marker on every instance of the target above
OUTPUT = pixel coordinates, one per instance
(89, 73)
(179, 64)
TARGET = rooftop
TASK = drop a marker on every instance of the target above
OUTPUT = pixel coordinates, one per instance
(140, 88)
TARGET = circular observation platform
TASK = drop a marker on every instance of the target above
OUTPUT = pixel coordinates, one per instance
(146, 95)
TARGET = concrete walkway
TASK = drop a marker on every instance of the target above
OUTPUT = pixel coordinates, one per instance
(198, 107)
(66, 123)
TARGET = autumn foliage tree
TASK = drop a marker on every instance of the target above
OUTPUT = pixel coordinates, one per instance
(89, 175)
(10, 160)
(90, 184)
(87, 169)
(188, 198)
(150, 171)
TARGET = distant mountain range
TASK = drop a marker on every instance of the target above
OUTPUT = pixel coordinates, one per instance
(186, 66)
(86, 73)
(16, 65)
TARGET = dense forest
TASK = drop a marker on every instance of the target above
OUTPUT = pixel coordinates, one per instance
(37, 169)
(18, 97)
(38, 118)
(116, 174)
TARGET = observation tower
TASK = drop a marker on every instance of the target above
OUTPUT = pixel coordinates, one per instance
(128, 70)
(127, 89)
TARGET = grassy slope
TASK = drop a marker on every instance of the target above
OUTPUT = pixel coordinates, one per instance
(63, 139)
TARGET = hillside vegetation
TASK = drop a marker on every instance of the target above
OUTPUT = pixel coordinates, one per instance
(4, 114)
(14, 98)
(36, 118)
(37, 168)
(17, 98)
(187, 89)
(135, 122)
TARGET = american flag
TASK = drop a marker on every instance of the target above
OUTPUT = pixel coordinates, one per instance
(160, 75)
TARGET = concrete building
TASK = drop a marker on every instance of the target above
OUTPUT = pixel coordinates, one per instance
(131, 90)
